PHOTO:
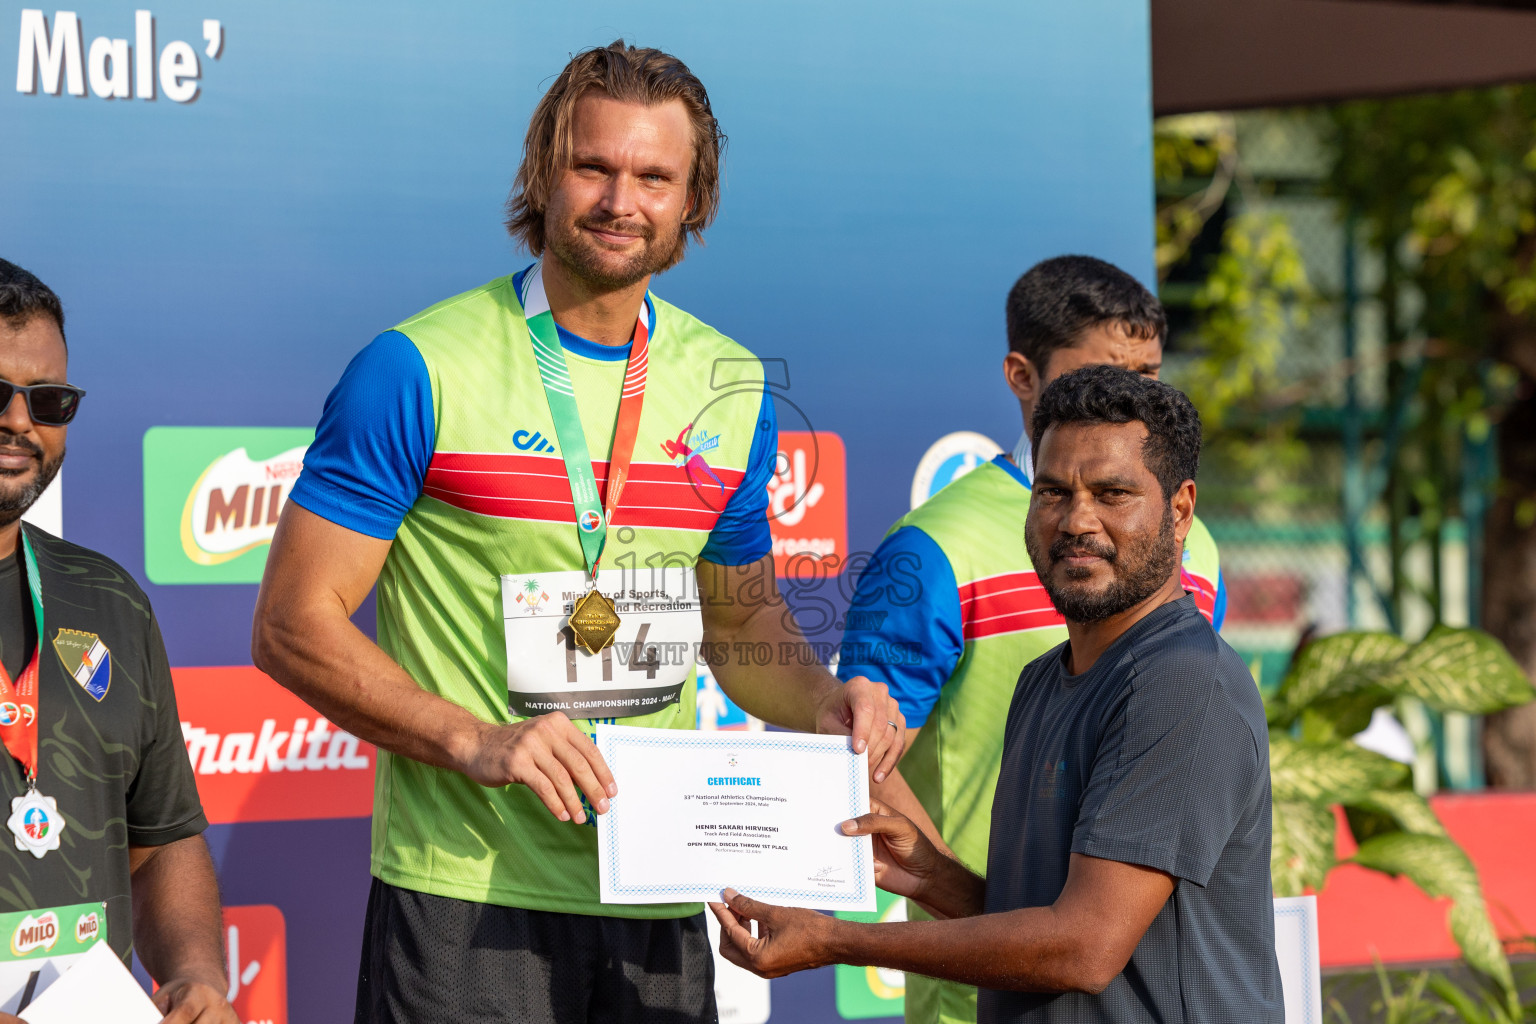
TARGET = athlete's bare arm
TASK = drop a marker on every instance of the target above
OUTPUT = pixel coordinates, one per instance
(895, 793)
(744, 616)
(317, 575)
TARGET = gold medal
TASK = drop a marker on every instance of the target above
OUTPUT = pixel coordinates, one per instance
(593, 621)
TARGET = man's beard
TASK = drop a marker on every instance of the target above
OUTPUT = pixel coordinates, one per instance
(16, 498)
(584, 257)
(1137, 575)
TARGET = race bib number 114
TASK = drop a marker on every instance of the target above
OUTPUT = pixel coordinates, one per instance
(643, 670)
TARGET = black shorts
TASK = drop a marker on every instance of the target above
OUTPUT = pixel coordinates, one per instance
(433, 960)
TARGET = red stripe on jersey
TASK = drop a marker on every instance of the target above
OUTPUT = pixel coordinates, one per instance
(1009, 602)
(535, 487)
(1204, 591)
(1013, 602)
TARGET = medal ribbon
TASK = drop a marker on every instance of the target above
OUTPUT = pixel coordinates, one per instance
(592, 514)
(20, 735)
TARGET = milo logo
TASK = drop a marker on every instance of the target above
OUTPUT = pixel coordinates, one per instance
(233, 507)
(87, 927)
(35, 933)
(212, 498)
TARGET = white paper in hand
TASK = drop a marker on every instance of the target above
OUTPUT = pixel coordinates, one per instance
(97, 987)
(1296, 949)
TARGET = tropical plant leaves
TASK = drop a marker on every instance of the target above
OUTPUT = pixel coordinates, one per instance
(1345, 676)
(1334, 667)
(1407, 810)
(1461, 670)
(1328, 696)
(1301, 847)
(1439, 867)
(1328, 773)
(1470, 1009)
(1339, 718)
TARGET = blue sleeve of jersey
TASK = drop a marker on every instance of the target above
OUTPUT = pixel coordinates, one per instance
(741, 535)
(1219, 609)
(904, 626)
(366, 466)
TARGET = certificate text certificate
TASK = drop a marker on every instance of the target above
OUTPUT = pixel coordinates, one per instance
(758, 812)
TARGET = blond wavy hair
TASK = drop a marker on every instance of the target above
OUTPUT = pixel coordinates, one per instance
(629, 74)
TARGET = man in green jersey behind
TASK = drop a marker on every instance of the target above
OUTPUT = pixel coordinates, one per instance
(949, 609)
(530, 470)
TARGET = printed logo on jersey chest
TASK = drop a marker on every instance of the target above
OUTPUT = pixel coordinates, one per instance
(535, 442)
(86, 659)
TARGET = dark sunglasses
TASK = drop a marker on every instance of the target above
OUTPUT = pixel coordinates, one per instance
(49, 405)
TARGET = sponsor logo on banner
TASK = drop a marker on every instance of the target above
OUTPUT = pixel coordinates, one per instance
(87, 927)
(212, 497)
(948, 459)
(808, 503)
(53, 58)
(718, 713)
(256, 944)
(33, 933)
(261, 754)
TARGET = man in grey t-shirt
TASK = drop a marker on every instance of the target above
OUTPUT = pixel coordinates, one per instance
(1128, 869)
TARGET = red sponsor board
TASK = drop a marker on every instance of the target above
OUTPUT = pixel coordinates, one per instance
(808, 504)
(256, 942)
(261, 754)
(1364, 914)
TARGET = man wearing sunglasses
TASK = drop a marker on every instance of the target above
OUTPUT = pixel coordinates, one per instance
(105, 826)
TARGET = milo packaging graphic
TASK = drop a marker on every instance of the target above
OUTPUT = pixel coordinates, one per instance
(212, 497)
(43, 944)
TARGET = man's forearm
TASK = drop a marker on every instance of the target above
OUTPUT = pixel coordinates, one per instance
(786, 691)
(1021, 950)
(332, 666)
(953, 891)
(177, 928)
(896, 793)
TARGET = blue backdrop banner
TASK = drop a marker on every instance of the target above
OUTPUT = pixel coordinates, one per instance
(232, 199)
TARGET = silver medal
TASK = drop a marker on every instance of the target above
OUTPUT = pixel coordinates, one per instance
(36, 823)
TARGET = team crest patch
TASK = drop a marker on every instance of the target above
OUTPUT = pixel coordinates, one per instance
(86, 659)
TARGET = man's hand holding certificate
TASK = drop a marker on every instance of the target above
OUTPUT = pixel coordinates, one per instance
(699, 812)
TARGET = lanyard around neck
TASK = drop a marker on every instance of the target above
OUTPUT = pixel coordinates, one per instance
(592, 514)
(19, 699)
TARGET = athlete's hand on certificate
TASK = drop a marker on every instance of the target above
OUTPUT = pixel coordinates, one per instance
(550, 756)
(866, 710)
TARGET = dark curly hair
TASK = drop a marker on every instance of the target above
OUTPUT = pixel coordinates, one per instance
(23, 296)
(1058, 299)
(1108, 394)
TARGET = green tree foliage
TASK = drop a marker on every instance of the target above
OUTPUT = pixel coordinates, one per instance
(1253, 295)
(1444, 188)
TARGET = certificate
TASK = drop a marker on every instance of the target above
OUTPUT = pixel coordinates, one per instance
(758, 812)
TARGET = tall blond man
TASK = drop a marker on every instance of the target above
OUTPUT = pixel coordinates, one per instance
(503, 465)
